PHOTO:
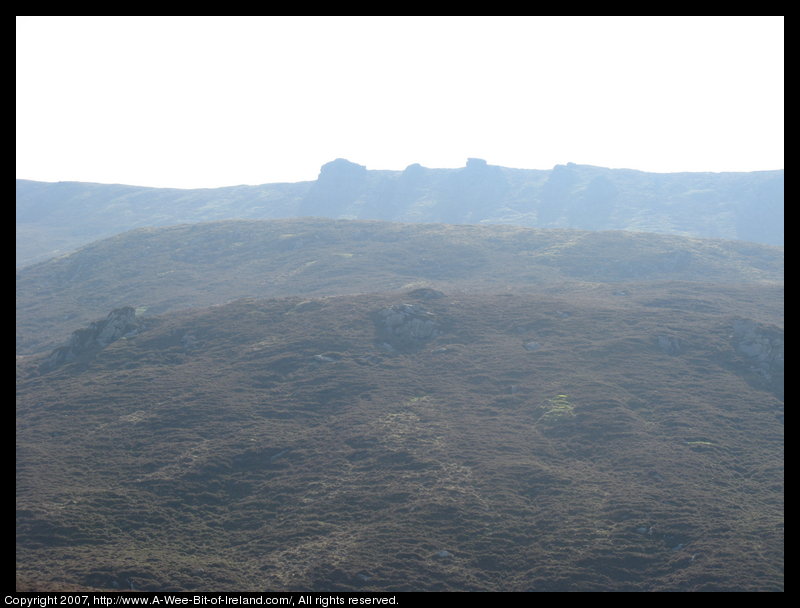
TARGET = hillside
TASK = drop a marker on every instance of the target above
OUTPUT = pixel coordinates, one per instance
(55, 218)
(582, 437)
(157, 270)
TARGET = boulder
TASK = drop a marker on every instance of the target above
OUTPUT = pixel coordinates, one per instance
(406, 327)
(761, 345)
(119, 323)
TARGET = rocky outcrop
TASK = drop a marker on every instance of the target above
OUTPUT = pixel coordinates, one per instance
(762, 346)
(339, 184)
(669, 344)
(62, 216)
(405, 327)
(119, 323)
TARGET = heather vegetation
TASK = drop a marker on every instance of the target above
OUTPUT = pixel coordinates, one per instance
(293, 444)
(170, 268)
(316, 404)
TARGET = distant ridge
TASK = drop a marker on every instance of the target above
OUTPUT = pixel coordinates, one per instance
(450, 402)
(55, 218)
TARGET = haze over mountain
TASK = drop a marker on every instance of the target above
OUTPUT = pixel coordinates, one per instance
(322, 306)
(54, 218)
(451, 402)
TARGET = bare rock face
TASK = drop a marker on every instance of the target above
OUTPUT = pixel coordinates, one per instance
(406, 327)
(763, 348)
(670, 345)
(340, 182)
(762, 345)
(119, 323)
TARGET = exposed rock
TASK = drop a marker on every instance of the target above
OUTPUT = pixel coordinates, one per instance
(339, 184)
(341, 169)
(762, 346)
(668, 344)
(188, 341)
(406, 326)
(470, 190)
(327, 357)
(746, 206)
(119, 323)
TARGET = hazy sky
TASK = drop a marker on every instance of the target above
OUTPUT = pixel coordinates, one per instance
(215, 101)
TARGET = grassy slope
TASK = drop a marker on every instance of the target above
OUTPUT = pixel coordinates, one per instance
(170, 268)
(274, 444)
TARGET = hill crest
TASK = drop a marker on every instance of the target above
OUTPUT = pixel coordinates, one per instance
(168, 268)
(54, 218)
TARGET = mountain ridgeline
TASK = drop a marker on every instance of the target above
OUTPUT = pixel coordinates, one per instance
(54, 218)
(476, 379)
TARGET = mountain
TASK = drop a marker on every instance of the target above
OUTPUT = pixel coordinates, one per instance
(164, 269)
(55, 218)
(622, 436)
(444, 403)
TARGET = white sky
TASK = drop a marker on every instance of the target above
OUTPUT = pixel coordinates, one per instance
(193, 102)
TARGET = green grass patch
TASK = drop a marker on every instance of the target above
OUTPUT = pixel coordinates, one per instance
(557, 410)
